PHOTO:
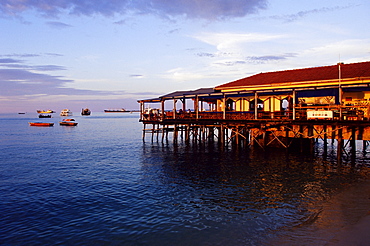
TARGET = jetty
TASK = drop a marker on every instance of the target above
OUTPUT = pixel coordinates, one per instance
(272, 109)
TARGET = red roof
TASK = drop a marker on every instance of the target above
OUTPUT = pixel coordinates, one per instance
(353, 70)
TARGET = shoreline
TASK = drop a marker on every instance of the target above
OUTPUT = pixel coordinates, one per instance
(343, 219)
(357, 234)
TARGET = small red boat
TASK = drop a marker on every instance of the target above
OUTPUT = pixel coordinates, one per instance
(40, 124)
(68, 122)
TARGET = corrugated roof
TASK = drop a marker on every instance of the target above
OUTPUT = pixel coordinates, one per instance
(200, 91)
(179, 94)
(353, 70)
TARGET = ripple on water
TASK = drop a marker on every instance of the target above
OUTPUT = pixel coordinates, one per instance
(99, 183)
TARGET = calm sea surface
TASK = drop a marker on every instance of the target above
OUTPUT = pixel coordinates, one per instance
(99, 184)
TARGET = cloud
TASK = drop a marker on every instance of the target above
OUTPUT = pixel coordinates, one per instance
(121, 22)
(174, 31)
(19, 82)
(47, 68)
(8, 60)
(25, 55)
(182, 74)
(57, 24)
(231, 63)
(35, 84)
(268, 58)
(136, 76)
(302, 14)
(205, 54)
(17, 79)
(53, 54)
(255, 60)
(19, 64)
(198, 9)
(232, 41)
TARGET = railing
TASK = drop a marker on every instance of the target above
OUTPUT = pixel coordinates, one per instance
(229, 115)
(343, 113)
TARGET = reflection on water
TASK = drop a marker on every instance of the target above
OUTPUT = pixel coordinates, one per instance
(98, 183)
(259, 195)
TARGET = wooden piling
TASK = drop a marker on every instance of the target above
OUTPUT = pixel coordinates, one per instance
(353, 145)
(325, 142)
(339, 146)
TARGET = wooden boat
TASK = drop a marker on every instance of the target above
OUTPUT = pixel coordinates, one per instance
(85, 111)
(49, 111)
(41, 124)
(44, 115)
(68, 122)
(65, 112)
(121, 110)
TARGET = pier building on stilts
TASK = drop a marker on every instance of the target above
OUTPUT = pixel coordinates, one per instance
(271, 109)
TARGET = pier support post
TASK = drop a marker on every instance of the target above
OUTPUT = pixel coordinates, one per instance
(340, 146)
(187, 133)
(333, 127)
(360, 137)
(175, 133)
(353, 145)
(211, 134)
(325, 142)
(164, 130)
(247, 137)
(310, 135)
(301, 137)
(221, 135)
(237, 135)
(153, 131)
(144, 132)
(265, 138)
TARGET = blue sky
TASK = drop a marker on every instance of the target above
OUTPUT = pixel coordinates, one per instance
(109, 53)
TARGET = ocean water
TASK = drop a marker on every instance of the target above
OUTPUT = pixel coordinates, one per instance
(99, 184)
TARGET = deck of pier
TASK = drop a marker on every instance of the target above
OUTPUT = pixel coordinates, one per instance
(276, 109)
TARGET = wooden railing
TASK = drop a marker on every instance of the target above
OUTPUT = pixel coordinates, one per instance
(229, 115)
(300, 114)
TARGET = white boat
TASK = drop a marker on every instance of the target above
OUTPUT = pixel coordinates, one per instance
(65, 112)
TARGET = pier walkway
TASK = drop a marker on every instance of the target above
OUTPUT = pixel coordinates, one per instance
(275, 109)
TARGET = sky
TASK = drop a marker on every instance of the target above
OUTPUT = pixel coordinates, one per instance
(105, 54)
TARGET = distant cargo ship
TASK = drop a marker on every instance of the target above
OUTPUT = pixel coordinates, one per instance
(120, 110)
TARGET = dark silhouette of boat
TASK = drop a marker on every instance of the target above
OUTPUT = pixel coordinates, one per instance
(44, 115)
(120, 110)
(85, 111)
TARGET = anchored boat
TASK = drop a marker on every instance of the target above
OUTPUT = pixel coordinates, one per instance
(120, 110)
(65, 112)
(85, 111)
(49, 111)
(41, 124)
(68, 122)
(44, 115)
